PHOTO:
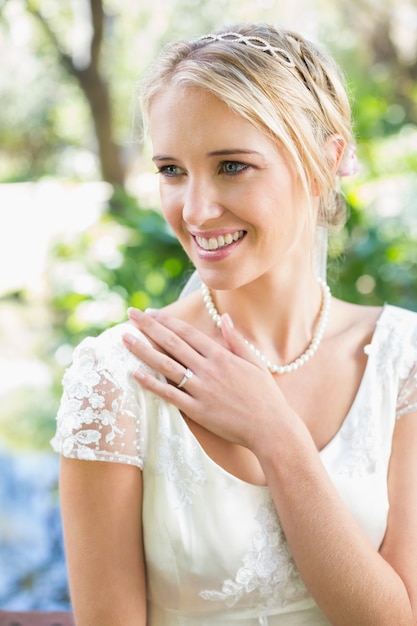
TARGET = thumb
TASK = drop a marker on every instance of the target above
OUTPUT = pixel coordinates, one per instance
(236, 343)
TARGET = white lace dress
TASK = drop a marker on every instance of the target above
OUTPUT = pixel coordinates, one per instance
(215, 551)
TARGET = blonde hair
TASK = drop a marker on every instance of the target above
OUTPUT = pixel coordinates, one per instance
(299, 106)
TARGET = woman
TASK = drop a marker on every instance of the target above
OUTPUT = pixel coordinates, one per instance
(260, 436)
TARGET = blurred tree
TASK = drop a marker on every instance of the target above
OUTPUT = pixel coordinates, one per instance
(93, 83)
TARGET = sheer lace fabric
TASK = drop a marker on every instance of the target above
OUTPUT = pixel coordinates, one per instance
(100, 418)
(215, 550)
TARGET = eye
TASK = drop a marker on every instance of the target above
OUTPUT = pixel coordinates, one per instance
(170, 170)
(233, 167)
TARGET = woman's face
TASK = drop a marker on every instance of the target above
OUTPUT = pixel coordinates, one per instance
(227, 191)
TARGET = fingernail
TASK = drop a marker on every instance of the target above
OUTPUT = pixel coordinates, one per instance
(129, 339)
(150, 311)
(226, 317)
(139, 374)
(134, 313)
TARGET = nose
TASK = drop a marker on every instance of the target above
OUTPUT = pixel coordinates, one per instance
(201, 203)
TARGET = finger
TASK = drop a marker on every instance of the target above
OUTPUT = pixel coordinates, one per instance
(181, 398)
(161, 362)
(193, 337)
(237, 344)
(163, 337)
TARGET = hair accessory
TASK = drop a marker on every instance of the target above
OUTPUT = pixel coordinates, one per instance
(307, 354)
(187, 375)
(253, 42)
(349, 163)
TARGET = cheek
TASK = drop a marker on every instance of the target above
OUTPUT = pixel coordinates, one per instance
(171, 208)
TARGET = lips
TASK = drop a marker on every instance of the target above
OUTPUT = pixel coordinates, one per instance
(221, 241)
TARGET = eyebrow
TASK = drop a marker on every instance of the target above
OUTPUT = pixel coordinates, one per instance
(225, 152)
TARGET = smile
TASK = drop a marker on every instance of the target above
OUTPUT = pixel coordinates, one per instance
(222, 241)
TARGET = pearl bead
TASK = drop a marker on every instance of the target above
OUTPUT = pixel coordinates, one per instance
(303, 358)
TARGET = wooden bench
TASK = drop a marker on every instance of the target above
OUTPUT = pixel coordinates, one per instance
(35, 618)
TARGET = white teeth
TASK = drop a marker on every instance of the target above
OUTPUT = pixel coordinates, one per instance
(219, 242)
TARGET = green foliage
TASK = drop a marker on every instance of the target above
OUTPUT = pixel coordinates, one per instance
(374, 261)
(129, 258)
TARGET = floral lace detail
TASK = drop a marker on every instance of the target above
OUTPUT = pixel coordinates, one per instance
(268, 568)
(98, 418)
(396, 352)
(394, 348)
(396, 356)
(362, 436)
(407, 398)
(181, 464)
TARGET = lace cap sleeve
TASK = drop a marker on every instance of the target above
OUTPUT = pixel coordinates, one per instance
(407, 396)
(101, 415)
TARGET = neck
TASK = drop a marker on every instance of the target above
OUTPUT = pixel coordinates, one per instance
(279, 317)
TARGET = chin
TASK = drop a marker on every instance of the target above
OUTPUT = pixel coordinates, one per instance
(222, 281)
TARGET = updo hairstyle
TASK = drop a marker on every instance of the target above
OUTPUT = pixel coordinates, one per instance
(298, 106)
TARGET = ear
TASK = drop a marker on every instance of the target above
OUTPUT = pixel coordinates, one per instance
(333, 149)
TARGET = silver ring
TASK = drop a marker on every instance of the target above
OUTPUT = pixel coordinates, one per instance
(187, 375)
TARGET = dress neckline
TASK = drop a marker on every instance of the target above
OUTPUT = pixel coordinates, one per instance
(330, 443)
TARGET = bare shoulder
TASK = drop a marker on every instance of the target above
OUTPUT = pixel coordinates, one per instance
(353, 320)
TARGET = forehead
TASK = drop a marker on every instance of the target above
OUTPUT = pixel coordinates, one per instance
(195, 115)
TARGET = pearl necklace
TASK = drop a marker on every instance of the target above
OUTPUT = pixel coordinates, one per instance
(303, 358)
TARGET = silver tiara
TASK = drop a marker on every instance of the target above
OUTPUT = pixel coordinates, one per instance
(253, 42)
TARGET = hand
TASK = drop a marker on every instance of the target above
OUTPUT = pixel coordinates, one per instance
(230, 392)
